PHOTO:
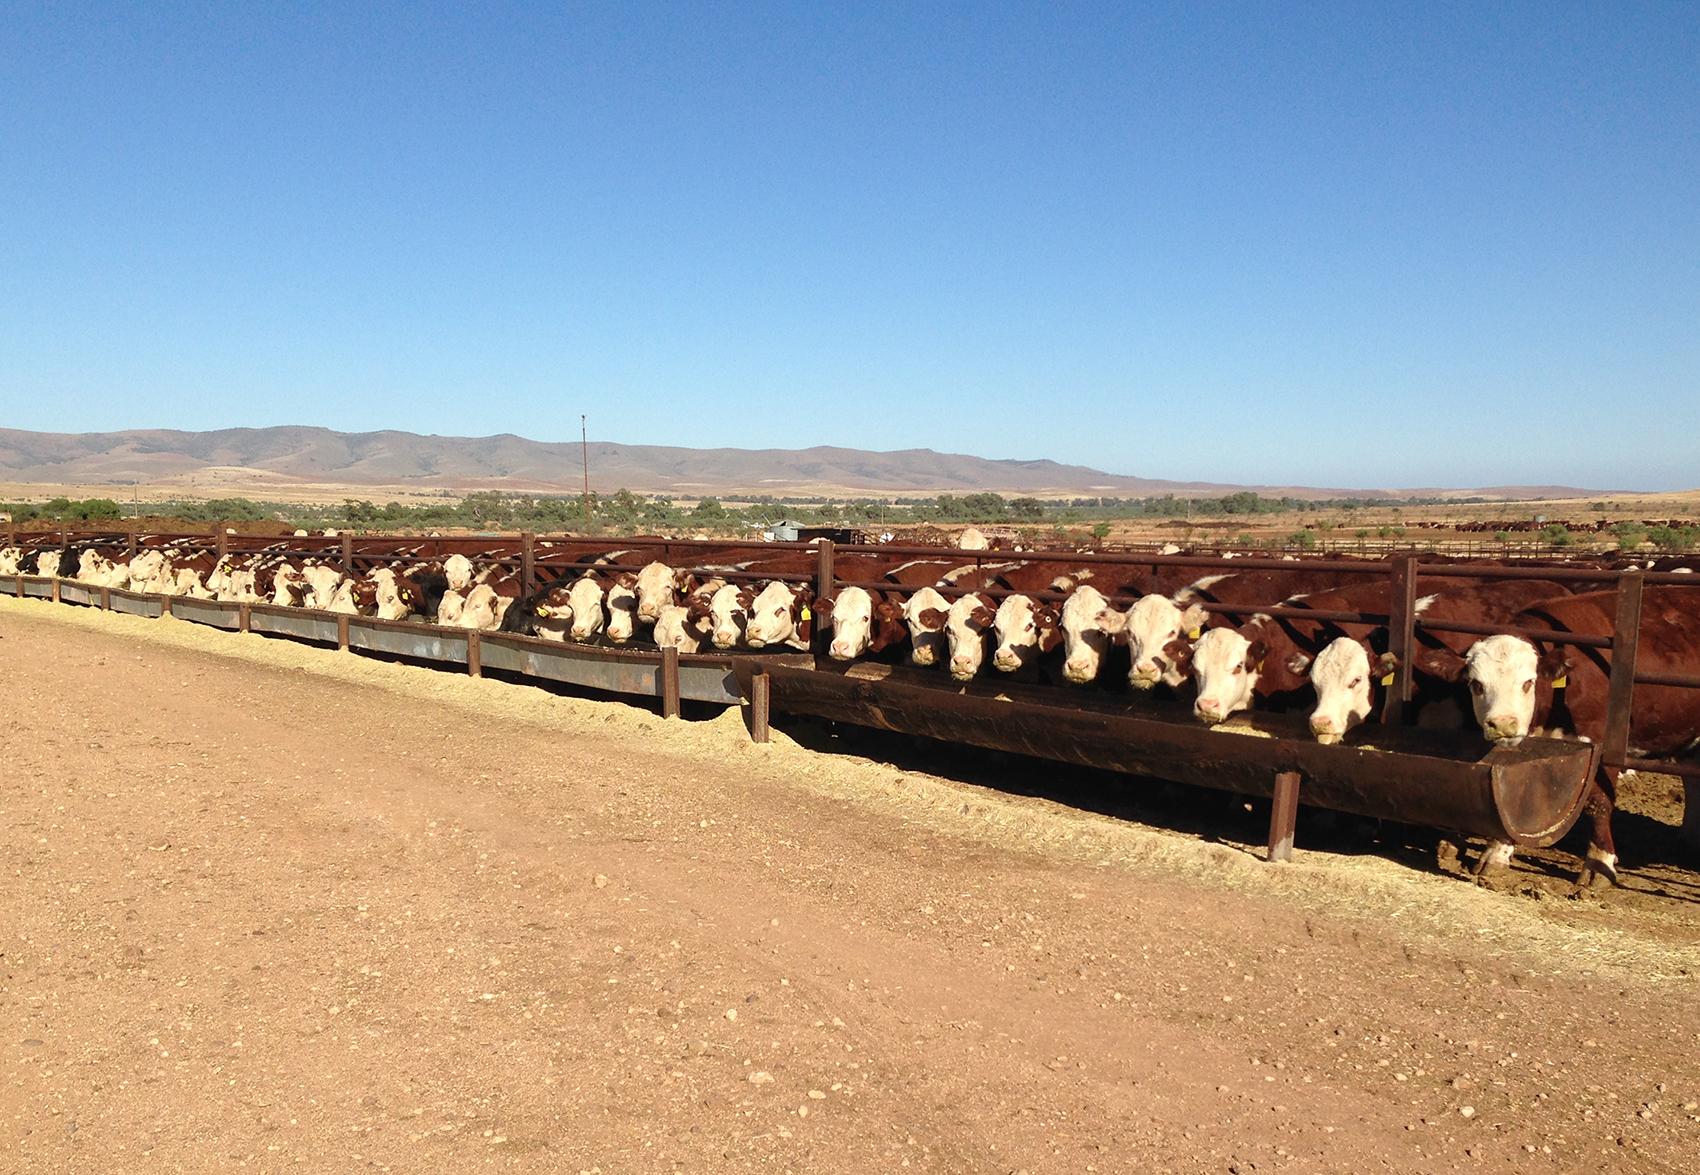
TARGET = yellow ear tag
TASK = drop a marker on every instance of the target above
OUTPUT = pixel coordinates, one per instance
(1561, 682)
(1192, 634)
(807, 614)
(542, 610)
(1388, 680)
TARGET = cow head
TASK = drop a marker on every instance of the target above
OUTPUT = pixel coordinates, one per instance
(851, 618)
(728, 613)
(676, 628)
(1154, 626)
(656, 588)
(584, 598)
(1345, 688)
(965, 629)
(622, 604)
(1086, 625)
(1022, 629)
(1503, 672)
(776, 615)
(1226, 665)
(924, 614)
(457, 569)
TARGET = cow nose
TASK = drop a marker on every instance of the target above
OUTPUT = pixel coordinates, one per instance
(1077, 668)
(1209, 710)
(841, 651)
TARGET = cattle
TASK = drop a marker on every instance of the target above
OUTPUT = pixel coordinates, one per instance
(322, 581)
(779, 615)
(457, 569)
(681, 627)
(966, 626)
(1520, 688)
(620, 603)
(861, 622)
(1226, 666)
(1085, 641)
(1346, 682)
(11, 560)
(728, 614)
(1158, 634)
(584, 598)
(657, 585)
(924, 613)
(1023, 629)
(483, 608)
(47, 563)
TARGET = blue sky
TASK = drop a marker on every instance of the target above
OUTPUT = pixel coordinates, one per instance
(1347, 245)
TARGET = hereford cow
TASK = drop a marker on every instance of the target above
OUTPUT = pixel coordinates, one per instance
(861, 622)
(1023, 630)
(924, 614)
(965, 628)
(779, 615)
(1519, 688)
(1158, 634)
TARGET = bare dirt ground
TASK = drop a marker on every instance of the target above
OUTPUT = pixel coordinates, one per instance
(275, 907)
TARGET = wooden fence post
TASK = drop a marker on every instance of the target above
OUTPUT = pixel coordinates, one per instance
(823, 591)
(474, 654)
(347, 553)
(669, 674)
(759, 695)
(1401, 636)
(528, 562)
(1625, 639)
(1283, 816)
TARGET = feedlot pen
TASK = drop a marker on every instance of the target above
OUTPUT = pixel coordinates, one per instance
(1530, 795)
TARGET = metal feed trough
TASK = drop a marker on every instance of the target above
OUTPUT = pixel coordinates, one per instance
(1529, 795)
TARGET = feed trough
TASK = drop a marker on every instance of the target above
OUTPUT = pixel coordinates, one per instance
(1530, 794)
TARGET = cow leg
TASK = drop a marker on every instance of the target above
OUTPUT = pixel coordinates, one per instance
(1691, 812)
(1600, 865)
(1495, 861)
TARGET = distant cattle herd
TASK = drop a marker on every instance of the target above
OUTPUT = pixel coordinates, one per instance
(1037, 616)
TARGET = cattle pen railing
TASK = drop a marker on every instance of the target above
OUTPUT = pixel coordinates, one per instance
(1099, 730)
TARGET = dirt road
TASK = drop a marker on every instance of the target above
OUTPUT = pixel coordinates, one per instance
(276, 907)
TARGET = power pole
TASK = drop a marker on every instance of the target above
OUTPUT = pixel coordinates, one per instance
(584, 450)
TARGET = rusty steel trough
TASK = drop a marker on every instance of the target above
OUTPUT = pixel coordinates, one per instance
(1529, 795)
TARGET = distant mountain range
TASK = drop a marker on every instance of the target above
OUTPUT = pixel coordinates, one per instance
(279, 456)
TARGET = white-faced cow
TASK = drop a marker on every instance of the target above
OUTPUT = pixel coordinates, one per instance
(924, 613)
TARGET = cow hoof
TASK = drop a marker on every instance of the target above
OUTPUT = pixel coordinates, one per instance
(1495, 878)
(1596, 875)
(1448, 856)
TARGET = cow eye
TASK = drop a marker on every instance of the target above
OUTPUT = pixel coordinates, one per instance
(1356, 681)
(1529, 686)
(1239, 669)
(1476, 688)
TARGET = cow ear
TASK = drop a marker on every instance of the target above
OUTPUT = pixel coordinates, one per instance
(1113, 622)
(1298, 664)
(979, 620)
(626, 580)
(887, 610)
(746, 597)
(1441, 663)
(1193, 618)
(684, 580)
(823, 609)
(1049, 639)
(1256, 653)
(1555, 662)
(931, 619)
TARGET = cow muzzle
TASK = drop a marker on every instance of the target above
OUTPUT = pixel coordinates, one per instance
(1079, 672)
(1504, 729)
(1006, 661)
(1145, 675)
(1208, 710)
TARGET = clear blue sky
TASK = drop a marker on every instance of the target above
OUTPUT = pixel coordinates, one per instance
(1350, 245)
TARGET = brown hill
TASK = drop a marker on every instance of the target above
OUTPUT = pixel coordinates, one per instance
(296, 454)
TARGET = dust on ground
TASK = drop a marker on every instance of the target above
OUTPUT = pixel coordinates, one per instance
(276, 906)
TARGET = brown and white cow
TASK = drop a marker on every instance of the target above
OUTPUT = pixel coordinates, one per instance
(861, 622)
(1158, 634)
(924, 614)
(1085, 639)
(966, 627)
(779, 615)
(1023, 630)
(1520, 688)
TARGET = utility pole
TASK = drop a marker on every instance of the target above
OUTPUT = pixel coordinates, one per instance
(584, 450)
